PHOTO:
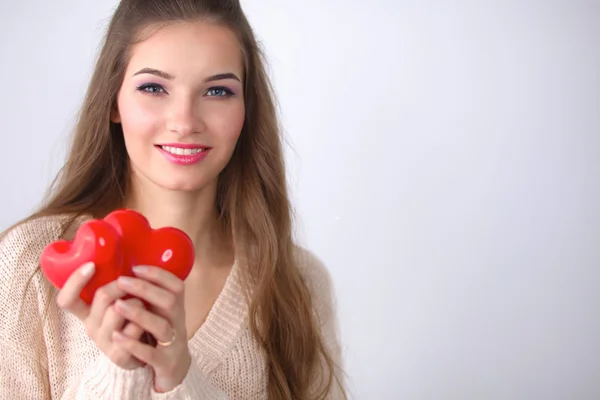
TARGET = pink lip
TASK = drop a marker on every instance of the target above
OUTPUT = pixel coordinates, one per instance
(181, 159)
(184, 146)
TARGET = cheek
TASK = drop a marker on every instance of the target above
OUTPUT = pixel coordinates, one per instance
(139, 120)
(226, 124)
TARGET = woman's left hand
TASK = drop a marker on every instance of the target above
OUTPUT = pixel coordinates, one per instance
(165, 320)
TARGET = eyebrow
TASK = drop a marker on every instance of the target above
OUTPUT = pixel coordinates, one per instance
(164, 75)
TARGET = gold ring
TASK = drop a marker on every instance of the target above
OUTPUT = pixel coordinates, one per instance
(165, 344)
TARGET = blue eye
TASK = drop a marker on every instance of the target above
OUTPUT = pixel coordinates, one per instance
(151, 88)
(219, 91)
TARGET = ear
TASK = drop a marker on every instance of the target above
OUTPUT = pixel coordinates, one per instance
(115, 116)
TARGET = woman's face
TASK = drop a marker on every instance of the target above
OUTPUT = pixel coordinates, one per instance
(181, 105)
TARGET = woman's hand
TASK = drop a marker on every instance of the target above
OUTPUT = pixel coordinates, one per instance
(164, 319)
(101, 319)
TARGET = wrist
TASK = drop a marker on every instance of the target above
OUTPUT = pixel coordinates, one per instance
(169, 380)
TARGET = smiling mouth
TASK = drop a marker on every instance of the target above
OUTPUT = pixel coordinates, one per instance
(178, 151)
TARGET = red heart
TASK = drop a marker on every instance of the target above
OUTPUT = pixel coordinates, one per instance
(168, 248)
(122, 240)
(95, 241)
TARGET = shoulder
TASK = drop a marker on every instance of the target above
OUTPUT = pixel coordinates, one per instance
(21, 246)
(317, 279)
(311, 267)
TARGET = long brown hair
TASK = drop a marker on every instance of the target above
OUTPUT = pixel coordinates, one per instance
(252, 196)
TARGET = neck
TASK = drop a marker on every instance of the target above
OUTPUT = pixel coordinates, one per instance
(195, 213)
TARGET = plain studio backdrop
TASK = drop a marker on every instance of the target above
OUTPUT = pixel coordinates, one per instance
(444, 164)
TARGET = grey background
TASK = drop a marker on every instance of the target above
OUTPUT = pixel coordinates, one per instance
(444, 164)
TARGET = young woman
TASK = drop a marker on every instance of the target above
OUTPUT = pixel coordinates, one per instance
(179, 124)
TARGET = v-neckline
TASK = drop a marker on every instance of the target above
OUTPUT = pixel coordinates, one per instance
(223, 324)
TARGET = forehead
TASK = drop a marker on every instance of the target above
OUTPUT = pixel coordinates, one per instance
(189, 49)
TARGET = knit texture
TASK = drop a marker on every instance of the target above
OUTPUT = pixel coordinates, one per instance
(45, 352)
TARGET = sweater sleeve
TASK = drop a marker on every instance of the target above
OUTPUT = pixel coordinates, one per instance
(24, 355)
(105, 380)
(195, 386)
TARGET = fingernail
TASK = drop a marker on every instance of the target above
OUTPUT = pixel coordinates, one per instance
(87, 269)
(118, 336)
(140, 269)
(125, 280)
(122, 304)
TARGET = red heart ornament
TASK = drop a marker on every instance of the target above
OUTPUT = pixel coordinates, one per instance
(95, 241)
(121, 240)
(168, 248)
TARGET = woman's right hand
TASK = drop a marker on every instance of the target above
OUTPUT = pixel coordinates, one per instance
(101, 317)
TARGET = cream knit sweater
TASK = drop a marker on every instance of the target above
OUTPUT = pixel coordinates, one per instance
(52, 357)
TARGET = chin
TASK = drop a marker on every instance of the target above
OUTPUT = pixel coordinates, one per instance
(174, 180)
(183, 186)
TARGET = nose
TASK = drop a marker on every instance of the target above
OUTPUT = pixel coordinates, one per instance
(183, 117)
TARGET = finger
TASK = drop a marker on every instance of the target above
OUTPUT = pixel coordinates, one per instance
(160, 277)
(68, 297)
(158, 326)
(114, 320)
(143, 352)
(160, 298)
(103, 298)
(133, 331)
